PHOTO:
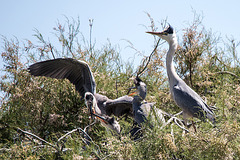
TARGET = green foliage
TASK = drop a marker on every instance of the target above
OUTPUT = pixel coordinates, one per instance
(49, 108)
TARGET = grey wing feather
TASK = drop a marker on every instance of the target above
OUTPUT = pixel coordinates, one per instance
(191, 102)
(77, 72)
(119, 106)
(142, 112)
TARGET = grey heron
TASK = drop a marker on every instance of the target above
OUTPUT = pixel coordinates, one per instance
(186, 98)
(80, 74)
(105, 120)
(143, 110)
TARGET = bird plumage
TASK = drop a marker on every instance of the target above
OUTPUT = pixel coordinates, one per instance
(77, 72)
(142, 109)
(186, 98)
(80, 74)
(105, 120)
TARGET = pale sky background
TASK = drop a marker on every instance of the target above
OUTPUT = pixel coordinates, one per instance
(115, 20)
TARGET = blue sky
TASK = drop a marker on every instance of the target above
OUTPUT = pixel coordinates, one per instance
(116, 20)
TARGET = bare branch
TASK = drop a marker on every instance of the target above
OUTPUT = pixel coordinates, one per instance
(36, 137)
(177, 121)
(74, 130)
(227, 72)
(149, 58)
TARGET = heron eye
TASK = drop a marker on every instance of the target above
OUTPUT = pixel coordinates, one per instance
(89, 97)
(136, 83)
(111, 120)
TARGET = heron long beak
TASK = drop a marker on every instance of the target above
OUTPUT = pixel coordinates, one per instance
(100, 117)
(157, 33)
(129, 90)
(89, 106)
(133, 94)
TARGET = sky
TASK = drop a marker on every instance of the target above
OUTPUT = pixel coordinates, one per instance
(116, 21)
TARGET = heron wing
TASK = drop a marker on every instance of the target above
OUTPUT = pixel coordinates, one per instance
(190, 101)
(119, 106)
(142, 111)
(77, 72)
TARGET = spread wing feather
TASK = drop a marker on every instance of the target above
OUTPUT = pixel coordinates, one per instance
(77, 72)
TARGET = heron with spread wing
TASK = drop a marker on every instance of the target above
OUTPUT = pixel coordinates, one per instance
(80, 74)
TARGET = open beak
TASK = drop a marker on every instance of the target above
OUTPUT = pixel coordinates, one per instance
(129, 90)
(133, 94)
(157, 33)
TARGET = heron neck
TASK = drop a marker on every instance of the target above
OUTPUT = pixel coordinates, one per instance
(172, 75)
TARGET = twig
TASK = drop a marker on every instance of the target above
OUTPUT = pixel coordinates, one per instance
(108, 155)
(99, 150)
(90, 24)
(117, 88)
(51, 49)
(78, 129)
(149, 58)
(84, 132)
(172, 133)
(5, 150)
(31, 134)
(176, 121)
(227, 72)
(89, 126)
(74, 130)
(177, 114)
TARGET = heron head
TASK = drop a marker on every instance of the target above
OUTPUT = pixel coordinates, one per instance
(141, 88)
(108, 122)
(90, 102)
(111, 123)
(167, 34)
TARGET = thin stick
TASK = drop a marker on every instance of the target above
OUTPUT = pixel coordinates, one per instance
(74, 130)
(90, 24)
(36, 137)
(51, 49)
(227, 72)
(176, 121)
(149, 58)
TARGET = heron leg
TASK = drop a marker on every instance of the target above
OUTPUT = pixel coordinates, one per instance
(193, 124)
(185, 117)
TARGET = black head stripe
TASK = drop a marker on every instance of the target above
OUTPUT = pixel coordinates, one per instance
(137, 81)
(169, 29)
(89, 97)
(110, 120)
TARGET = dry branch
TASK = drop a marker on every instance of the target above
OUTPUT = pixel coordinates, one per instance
(36, 137)
(148, 59)
(227, 72)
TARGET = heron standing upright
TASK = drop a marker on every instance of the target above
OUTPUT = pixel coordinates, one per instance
(187, 99)
(80, 74)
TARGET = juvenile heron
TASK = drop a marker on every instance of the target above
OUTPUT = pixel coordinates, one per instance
(187, 99)
(80, 74)
(105, 120)
(143, 110)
